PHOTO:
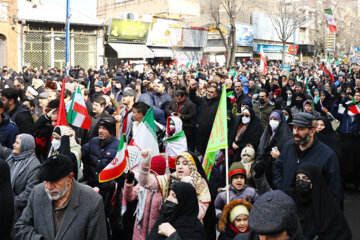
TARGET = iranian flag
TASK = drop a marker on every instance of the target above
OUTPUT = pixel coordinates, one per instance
(107, 88)
(328, 69)
(117, 166)
(78, 115)
(231, 96)
(355, 108)
(145, 136)
(330, 20)
(263, 64)
(175, 144)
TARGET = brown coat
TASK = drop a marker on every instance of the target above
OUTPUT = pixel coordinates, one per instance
(226, 212)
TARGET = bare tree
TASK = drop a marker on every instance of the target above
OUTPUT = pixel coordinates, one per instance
(285, 18)
(218, 9)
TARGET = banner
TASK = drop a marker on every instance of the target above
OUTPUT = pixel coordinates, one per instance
(130, 31)
(165, 33)
(218, 137)
(293, 49)
(244, 35)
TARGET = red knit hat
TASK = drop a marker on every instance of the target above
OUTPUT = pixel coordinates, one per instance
(158, 164)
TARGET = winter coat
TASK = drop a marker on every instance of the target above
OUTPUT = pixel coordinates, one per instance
(246, 191)
(8, 131)
(208, 108)
(96, 157)
(161, 100)
(187, 111)
(263, 113)
(83, 217)
(251, 135)
(226, 233)
(348, 125)
(43, 132)
(22, 117)
(319, 154)
(152, 209)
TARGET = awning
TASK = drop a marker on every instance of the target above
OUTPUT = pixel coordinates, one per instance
(132, 51)
(162, 52)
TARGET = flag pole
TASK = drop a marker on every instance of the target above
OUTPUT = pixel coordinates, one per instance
(227, 174)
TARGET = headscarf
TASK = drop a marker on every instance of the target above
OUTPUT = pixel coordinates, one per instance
(329, 137)
(21, 160)
(184, 219)
(6, 201)
(322, 216)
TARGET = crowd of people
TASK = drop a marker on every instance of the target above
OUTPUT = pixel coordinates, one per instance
(293, 137)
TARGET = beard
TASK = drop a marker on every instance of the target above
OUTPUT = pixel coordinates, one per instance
(303, 140)
(57, 194)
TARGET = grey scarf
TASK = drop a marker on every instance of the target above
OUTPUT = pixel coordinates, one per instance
(21, 160)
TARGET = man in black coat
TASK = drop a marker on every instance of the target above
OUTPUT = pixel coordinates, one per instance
(208, 107)
(306, 148)
(182, 107)
(18, 113)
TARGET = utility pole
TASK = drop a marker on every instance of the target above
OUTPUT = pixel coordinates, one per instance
(67, 37)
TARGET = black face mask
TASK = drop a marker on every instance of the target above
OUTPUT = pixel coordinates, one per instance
(303, 186)
(169, 208)
(261, 100)
(299, 103)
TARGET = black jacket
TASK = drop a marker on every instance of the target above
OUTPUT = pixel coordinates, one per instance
(22, 117)
(187, 111)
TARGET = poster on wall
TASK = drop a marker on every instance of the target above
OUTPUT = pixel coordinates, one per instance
(129, 31)
(244, 35)
(165, 33)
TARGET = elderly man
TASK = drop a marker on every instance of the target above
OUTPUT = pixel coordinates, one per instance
(306, 148)
(61, 208)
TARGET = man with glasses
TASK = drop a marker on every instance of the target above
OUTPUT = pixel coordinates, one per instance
(306, 148)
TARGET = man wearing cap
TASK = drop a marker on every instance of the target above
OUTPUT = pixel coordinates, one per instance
(273, 216)
(306, 148)
(61, 208)
(126, 114)
(99, 90)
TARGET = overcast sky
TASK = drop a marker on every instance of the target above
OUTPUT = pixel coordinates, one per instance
(88, 7)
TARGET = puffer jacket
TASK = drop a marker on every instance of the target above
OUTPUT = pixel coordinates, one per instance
(152, 207)
(96, 156)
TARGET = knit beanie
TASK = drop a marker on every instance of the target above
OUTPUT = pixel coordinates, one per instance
(247, 151)
(158, 164)
(236, 168)
(109, 124)
(236, 211)
(273, 213)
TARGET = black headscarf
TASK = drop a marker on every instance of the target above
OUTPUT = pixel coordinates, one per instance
(6, 201)
(329, 136)
(321, 216)
(184, 219)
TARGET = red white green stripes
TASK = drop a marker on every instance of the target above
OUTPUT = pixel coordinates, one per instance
(78, 115)
(330, 20)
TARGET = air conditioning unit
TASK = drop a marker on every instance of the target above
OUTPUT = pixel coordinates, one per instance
(128, 15)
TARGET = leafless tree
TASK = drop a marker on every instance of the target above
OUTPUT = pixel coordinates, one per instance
(285, 17)
(218, 10)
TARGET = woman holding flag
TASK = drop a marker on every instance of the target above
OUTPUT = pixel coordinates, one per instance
(187, 169)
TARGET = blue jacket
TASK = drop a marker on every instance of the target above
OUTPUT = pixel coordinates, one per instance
(319, 154)
(96, 157)
(348, 125)
(8, 131)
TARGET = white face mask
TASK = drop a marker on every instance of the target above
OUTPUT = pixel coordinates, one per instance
(56, 144)
(274, 124)
(118, 85)
(245, 120)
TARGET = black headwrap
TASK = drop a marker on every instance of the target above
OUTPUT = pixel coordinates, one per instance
(322, 216)
(184, 219)
(329, 136)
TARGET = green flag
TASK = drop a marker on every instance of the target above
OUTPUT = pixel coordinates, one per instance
(218, 137)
